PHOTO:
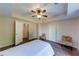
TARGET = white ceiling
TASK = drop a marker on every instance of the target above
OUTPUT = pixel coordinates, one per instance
(53, 10)
(23, 10)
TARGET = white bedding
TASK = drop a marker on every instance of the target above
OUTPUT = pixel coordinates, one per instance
(33, 48)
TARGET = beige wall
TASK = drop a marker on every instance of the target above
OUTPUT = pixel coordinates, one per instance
(7, 30)
(32, 30)
(56, 29)
(67, 27)
(78, 34)
(44, 28)
(25, 30)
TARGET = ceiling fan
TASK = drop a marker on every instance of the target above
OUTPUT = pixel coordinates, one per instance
(39, 13)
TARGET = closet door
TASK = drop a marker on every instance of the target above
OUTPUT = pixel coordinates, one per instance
(18, 32)
(52, 32)
(59, 32)
(32, 31)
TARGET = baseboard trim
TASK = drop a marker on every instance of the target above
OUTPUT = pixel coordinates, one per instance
(4, 48)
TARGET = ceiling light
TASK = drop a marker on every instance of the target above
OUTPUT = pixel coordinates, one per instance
(39, 12)
(38, 16)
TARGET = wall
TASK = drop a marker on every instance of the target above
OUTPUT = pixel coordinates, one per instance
(68, 27)
(25, 30)
(52, 31)
(43, 28)
(56, 29)
(7, 30)
(32, 30)
(6, 25)
(78, 34)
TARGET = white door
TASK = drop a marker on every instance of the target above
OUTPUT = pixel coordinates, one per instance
(52, 32)
(18, 32)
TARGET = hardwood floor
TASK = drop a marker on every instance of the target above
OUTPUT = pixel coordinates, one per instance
(25, 40)
(7, 47)
(61, 50)
(72, 52)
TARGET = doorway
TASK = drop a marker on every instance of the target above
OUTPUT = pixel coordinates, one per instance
(25, 32)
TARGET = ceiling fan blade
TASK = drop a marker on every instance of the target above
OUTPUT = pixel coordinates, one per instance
(33, 11)
(55, 3)
(44, 15)
(33, 16)
(44, 11)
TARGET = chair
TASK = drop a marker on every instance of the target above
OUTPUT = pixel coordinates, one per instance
(67, 40)
(43, 36)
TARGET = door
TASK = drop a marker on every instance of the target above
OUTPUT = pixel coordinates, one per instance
(52, 32)
(18, 32)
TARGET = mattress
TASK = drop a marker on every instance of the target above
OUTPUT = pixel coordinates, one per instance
(33, 48)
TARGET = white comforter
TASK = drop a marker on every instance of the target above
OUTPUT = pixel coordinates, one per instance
(33, 48)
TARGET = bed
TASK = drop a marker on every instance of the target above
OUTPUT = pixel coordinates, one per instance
(33, 48)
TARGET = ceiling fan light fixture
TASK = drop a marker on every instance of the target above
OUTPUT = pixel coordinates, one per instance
(39, 13)
(38, 16)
